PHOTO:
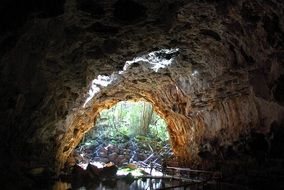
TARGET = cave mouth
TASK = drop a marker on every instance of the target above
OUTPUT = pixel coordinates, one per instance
(127, 133)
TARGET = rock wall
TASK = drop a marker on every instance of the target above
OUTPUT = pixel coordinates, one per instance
(224, 81)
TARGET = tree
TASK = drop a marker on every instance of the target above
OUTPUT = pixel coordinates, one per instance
(147, 117)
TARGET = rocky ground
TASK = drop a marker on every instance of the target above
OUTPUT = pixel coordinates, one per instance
(123, 150)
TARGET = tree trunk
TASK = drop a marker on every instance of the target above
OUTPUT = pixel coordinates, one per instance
(147, 116)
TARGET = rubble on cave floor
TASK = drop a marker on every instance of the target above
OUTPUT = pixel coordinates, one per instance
(122, 150)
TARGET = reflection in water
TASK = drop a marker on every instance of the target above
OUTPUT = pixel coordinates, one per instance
(59, 185)
(139, 184)
(146, 184)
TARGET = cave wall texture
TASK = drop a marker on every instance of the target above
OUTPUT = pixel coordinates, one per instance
(226, 80)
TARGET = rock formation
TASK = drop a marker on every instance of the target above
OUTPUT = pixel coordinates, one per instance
(212, 69)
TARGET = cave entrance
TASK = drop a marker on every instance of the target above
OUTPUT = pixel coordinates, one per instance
(128, 132)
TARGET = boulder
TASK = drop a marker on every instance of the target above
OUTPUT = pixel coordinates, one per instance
(112, 157)
(109, 170)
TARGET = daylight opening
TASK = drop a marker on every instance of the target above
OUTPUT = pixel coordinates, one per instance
(129, 134)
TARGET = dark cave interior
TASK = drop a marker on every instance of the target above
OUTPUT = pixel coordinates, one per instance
(213, 70)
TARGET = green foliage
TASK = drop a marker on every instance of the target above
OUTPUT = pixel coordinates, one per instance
(158, 129)
(132, 171)
(129, 120)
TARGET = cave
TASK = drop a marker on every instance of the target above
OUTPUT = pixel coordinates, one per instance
(212, 70)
